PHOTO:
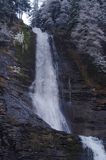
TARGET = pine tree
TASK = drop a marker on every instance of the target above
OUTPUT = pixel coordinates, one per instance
(34, 12)
(22, 6)
(10, 8)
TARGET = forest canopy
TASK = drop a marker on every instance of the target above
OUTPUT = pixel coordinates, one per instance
(9, 9)
(82, 21)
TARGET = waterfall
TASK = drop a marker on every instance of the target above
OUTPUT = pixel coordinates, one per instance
(96, 146)
(45, 96)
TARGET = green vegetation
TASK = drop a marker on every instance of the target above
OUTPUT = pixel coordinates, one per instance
(24, 50)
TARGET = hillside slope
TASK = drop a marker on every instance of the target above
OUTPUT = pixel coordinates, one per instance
(82, 24)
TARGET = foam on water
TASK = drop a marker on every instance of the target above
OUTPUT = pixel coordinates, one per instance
(96, 146)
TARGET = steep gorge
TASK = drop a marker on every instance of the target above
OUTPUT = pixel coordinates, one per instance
(78, 28)
(26, 136)
(86, 106)
(23, 135)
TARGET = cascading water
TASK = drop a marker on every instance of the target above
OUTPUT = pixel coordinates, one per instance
(96, 146)
(45, 97)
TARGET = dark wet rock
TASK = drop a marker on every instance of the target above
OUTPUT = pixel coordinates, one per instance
(16, 75)
(23, 135)
(23, 142)
(83, 106)
(4, 39)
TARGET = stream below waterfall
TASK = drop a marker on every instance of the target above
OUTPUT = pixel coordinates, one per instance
(45, 96)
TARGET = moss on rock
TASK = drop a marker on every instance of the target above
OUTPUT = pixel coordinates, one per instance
(24, 51)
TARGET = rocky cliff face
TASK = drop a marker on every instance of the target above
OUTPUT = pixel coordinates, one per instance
(23, 135)
(24, 141)
(83, 106)
(82, 23)
(78, 28)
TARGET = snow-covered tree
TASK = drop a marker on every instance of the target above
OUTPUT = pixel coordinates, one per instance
(10, 8)
(22, 6)
(34, 12)
(84, 22)
(88, 34)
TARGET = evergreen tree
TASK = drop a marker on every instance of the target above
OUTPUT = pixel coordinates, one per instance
(10, 8)
(34, 12)
(22, 6)
(83, 21)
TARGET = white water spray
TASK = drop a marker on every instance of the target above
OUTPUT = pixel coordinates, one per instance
(46, 97)
(96, 147)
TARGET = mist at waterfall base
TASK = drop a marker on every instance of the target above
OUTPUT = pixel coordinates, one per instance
(45, 97)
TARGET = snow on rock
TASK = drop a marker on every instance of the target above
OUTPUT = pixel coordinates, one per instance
(83, 20)
(15, 69)
(88, 34)
(19, 37)
(5, 33)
